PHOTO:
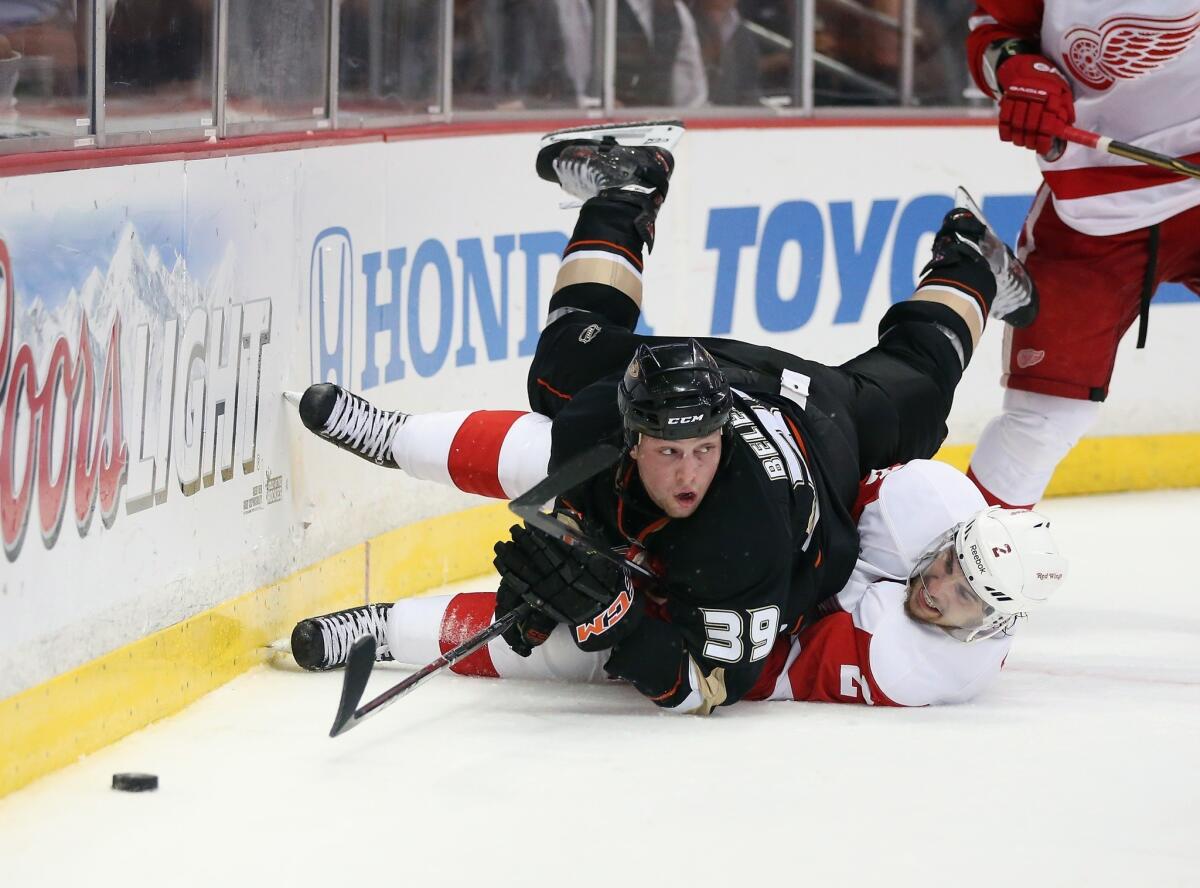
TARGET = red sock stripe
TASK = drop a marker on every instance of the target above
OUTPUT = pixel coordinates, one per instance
(991, 498)
(474, 459)
(467, 614)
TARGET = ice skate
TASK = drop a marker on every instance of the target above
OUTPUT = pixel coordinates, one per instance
(323, 643)
(351, 422)
(630, 163)
(587, 168)
(1016, 302)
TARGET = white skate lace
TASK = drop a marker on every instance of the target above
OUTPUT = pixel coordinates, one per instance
(1010, 296)
(340, 631)
(366, 428)
(579, 178)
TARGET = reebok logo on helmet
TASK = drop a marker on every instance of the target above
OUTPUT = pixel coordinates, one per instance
(980, 566)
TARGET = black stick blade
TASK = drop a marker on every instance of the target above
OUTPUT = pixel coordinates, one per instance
(354, 681)
(572, 473)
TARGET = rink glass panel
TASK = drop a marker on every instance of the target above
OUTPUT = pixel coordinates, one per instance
(45, 65)
(278, 63)
(159, 75)
(389, 60)
(179, 69)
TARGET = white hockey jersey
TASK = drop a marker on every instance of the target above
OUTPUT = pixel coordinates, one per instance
(1134, 67)
(869, 650)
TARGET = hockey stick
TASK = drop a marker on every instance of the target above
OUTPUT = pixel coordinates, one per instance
(1132, 152)
(361, 660)
(528, 506)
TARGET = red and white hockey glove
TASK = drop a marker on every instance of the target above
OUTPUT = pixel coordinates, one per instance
(1035, 102)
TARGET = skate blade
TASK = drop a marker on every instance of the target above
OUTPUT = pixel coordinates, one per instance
(661, 133)
(1014, 288)
(278, 655)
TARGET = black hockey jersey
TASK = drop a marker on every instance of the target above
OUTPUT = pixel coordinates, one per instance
(771, 539)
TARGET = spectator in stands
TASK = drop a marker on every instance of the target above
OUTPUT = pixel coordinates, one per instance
(511, 54)
(941, 76)
(658, 55)
(730, 52)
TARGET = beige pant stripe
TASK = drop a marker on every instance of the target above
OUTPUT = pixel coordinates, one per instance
(960, 303)
(610, 272)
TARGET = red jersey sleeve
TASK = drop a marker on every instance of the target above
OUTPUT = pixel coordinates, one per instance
(1000, 20)
(834, 664)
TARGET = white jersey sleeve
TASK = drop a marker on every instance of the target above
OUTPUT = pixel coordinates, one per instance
(907, 507)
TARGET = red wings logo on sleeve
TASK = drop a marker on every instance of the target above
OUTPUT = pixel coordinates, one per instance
(1126, 47)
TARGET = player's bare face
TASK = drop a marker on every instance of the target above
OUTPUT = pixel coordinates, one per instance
(941, 596)
(677, 474)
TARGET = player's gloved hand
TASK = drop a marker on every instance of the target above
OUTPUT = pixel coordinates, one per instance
(582, 589)
(529, 631)
(1035, 102)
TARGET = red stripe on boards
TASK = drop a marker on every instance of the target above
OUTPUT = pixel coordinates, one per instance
(474, 459)
(468, 614)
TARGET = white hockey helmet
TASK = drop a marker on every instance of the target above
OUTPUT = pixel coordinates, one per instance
(1010, 561)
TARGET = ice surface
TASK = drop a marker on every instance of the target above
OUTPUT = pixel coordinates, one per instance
(1079, 767)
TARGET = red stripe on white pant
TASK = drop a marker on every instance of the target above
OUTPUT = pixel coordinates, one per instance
(468, 614)
(474, 460)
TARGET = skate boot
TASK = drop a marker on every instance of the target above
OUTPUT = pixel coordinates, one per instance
(600, 166)
(1016, 302)
(323, 643)
(351, 422)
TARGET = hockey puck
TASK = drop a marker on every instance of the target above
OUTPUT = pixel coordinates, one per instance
(135, 782)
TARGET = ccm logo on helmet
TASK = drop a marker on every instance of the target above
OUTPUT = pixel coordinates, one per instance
(684, 420)
(605, 621)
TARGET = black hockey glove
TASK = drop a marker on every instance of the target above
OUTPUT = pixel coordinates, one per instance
(529, 631)
(582, 589)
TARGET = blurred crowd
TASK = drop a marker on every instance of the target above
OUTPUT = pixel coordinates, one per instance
(506, 54)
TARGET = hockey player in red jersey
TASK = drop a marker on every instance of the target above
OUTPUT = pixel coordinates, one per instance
(1103, 232)
(740, 463)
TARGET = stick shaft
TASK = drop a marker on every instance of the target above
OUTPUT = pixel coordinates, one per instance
(472, 644)
(1131, 152)
(355, 678)
(361, 659)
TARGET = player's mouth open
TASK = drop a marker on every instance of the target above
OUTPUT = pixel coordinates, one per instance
(687, 498)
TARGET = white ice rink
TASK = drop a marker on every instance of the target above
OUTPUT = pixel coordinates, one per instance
(1079, 767)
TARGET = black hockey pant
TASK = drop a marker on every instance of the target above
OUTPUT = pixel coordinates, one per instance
(885, 406)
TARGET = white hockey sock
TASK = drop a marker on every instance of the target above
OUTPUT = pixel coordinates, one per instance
(1019, 450)
(498, 453)
(420, 630)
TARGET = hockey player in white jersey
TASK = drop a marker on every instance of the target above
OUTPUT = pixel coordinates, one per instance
(927, 617)
(1103, 232)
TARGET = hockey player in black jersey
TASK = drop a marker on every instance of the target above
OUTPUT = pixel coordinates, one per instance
(740, 463)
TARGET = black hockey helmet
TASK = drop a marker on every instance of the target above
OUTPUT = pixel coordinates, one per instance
(673, 391)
